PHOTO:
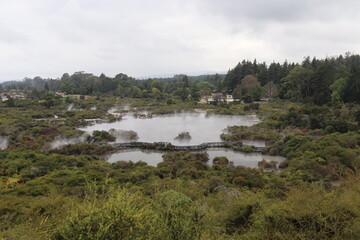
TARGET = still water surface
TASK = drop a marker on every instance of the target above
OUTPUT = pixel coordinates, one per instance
(202, 128)
(152, 157)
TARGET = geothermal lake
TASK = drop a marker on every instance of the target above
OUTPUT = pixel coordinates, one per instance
(164, 128)
(152, 158)
(202, 128)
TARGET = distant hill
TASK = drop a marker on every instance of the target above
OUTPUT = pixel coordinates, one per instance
(189, 74)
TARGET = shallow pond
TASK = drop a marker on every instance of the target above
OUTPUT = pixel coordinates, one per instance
(152, 157)
(202, 128)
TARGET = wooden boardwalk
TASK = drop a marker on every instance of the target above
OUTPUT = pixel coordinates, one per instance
(168, 146)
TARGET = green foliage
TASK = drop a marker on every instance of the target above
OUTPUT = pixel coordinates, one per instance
(179, 218)
(83, 149)
(10, 102)
(338, 89)
(309, 214)
(352, 90)
(220, 160)
(185, 164)
(328, 158)
(296, 85)
(266, 164)
(123, 215)
(257, 132)
(101, 136)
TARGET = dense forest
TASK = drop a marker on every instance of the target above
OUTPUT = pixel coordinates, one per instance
(121, 85)
(329, 80)
(310, 115)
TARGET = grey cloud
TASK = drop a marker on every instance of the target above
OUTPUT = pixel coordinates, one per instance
(11, 36)
(279, 10)
(141, 37)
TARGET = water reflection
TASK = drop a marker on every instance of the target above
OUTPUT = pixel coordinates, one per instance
(152, 158)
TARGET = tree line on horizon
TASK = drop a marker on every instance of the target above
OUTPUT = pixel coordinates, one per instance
(318, 81)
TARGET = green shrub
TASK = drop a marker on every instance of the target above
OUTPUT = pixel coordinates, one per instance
(123, 215)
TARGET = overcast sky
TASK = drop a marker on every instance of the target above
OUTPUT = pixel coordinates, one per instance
(154, 37)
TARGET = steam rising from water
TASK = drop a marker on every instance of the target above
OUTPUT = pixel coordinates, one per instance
(59, 141)
(115, 110)
(72, 107)
(4, 143)
(123, 135)
(125, 107)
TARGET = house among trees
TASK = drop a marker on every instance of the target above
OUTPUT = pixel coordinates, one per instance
(3, 97)
(60, 94)
(218, 98)
(12, 94)
(229, 99)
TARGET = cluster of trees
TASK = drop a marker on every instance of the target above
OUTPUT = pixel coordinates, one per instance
(31, 83)
(121, 85)
(331, 80)
(335, 79)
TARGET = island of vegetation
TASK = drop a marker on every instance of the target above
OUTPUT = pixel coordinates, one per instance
(183, 136)
(310, 114)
